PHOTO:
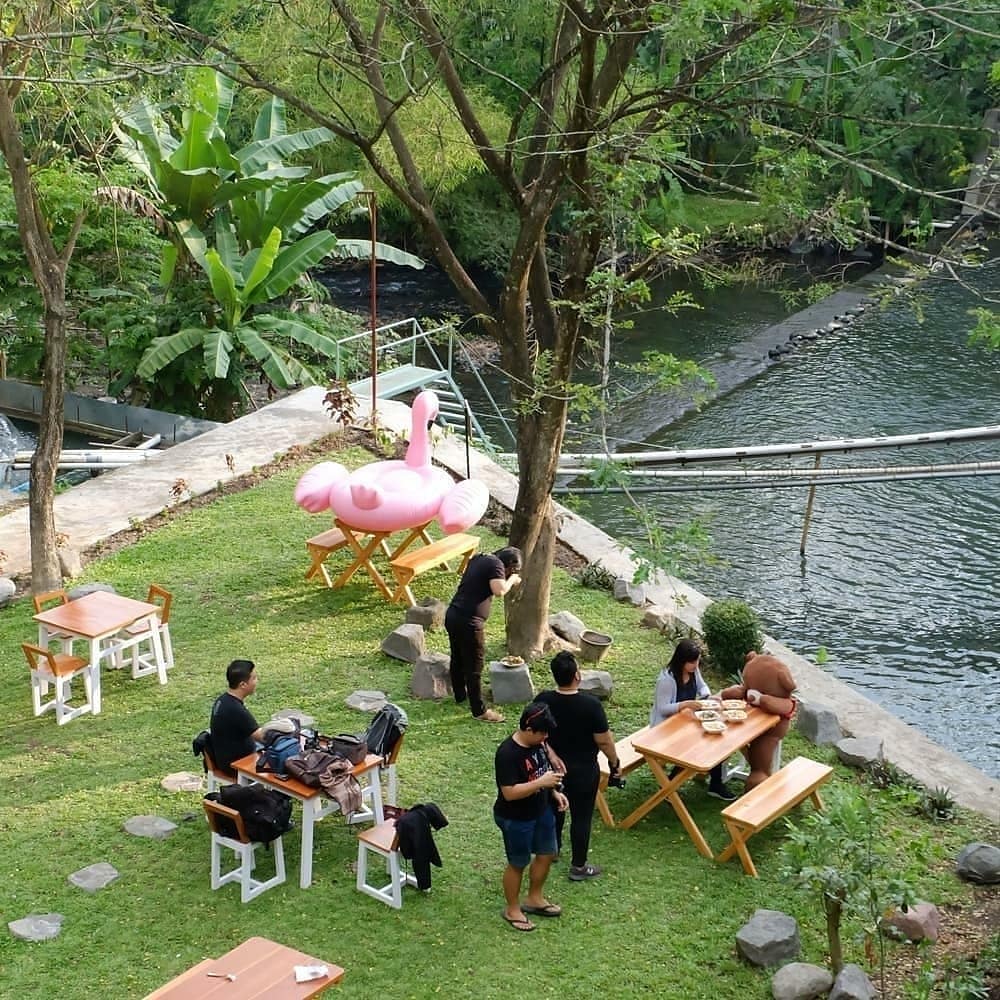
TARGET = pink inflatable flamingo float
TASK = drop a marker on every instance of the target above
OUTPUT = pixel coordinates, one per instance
(396, 495)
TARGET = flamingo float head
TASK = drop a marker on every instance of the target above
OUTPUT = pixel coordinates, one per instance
(424, 412)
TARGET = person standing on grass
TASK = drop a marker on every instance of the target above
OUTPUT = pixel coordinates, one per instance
(234, 730)
(529, 793)
(488, 575)
(581, 730)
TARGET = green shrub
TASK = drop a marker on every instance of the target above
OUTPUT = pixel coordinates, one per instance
(596, 577)
(731, 629)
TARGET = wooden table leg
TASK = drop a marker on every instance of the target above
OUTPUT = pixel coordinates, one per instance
(738, 845)
(667, 787)
(362, 559)
(602, 805)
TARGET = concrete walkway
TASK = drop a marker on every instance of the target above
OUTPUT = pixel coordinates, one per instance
(116, 500)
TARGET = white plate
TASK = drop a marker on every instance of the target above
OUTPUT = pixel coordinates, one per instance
(707, 716)
(734, 703)
(734, 715)
(714, 726)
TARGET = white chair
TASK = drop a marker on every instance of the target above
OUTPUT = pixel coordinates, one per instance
(136, 641)
(741, 770)
(383, 840)
(244, 848)
(57, 670)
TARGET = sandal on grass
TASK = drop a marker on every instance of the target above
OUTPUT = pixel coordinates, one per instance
(518, 923)
(489, 716)
(548, 910)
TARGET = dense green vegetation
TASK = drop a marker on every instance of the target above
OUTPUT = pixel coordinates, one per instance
(661, 917)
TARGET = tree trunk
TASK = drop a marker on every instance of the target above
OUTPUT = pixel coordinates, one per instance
(834, 907)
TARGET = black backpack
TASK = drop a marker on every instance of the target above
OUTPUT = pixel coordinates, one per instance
(386, 730)
(266, 814)
(277, 748)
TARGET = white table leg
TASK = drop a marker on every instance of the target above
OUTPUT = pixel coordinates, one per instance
(161, 663)
(308, 822)
(95, 672)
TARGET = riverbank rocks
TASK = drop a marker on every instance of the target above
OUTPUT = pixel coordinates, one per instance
(428, 612)
(634, 593)
(94, 877)
(597, 682)
(153, 827)
(406, 643)
(800, 981)
(769, 937)
(567, 626)
(859, 751)
(7, 591)
(666, 622)
(511, 685)
(920, 922)
(37, 926)
(366, 701)
(431, 677)
(818, 723)
(979, 863)
(852, 983)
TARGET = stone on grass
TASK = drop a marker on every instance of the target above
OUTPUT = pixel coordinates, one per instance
(660, 618)
(921, 922)
(428, 612)
(597, 682)
(567, 626)
(94, 877)
(70, 563)
(155, 827)
(7, 591)
(768, 938)
(800, 981)
(818, 723)
(366, 701)
(181, 781)
(406, 643)
(296, 715)
(979, 863)
(37, 926)
(852, 983)
(511, 685)
(859, 751)
(634, 593)
(90, 588)
(431, 678)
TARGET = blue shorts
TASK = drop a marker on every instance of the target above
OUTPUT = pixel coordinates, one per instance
(524, 837)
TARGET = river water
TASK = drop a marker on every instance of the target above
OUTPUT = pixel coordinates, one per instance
(898, 583)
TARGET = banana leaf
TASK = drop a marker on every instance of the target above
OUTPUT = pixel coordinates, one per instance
(361, 250)
(295, 209)
(271, 359)
(218, 349)
(163, 350)
(292, 262)
(262, 152)
(224, 289)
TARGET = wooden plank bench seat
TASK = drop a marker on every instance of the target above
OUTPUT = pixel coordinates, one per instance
(413, 562)
(772, 798)
(320, 547)
(629, 758)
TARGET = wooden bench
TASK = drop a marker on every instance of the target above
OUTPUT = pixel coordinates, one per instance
(629, 758)
(320, 547)
(771, 799)
(416, 561)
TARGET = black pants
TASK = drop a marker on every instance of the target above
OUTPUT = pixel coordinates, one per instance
(580, 785)
(468, 654)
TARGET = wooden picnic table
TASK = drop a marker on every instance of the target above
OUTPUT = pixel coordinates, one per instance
(94, 618)
(262, 968)
(681, 742)
(364, 544)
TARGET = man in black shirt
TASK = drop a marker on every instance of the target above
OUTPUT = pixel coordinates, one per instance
(528, 792)
(234, 730)
(581, 730)
(487, 576)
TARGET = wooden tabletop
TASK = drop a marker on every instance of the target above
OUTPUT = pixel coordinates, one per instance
(263, 970)
(95, 614)
(681, 740)
(248, 765)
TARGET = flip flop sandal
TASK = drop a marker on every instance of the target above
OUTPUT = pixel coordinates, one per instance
(548, 910)
(519, 925)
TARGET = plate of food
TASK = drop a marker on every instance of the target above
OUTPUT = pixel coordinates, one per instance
(513, 661)
(714, 726)
(735, 704)
(734, 715)
(706, 715)
(709, 705)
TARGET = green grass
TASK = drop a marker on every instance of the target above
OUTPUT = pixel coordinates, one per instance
(662, 918)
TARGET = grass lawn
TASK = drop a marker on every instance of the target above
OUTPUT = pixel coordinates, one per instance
(661, 920)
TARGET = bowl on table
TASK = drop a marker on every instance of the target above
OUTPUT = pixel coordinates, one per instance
(714, 726)
(734, 715)
(706, 715)
(709, 705)
(734, 704)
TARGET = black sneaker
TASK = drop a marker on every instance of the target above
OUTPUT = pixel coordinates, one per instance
(584, 872)
(722, 792)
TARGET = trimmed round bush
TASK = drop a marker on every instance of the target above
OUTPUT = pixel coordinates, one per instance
(731, 629)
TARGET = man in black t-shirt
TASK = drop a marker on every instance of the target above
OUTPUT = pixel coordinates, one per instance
(581, 730)
(528, 794)
(487, 576)
(233, 728)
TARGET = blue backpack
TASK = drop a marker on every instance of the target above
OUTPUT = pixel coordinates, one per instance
(277, 748)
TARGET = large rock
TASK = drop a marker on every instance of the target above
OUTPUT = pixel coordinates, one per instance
(567, 626)
(406, 643)
(511, 685)
(634, 593)
(921, 922)
(818, 724)
(852, 983)
(662, 619)
(7, 591)
(366, 701)
(979, 863)
(90, 588)
(182, 781)
(597, 682)
(94, 877)
(304, 720)
(800, 981)
(768, 938)
(70, 563)
(37, 926)
(431, 677)
(428, 612)
(859, 751)
(154, 827)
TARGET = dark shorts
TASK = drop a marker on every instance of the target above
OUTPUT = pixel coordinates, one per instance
(524, 837)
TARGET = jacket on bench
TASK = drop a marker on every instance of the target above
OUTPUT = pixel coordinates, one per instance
(416, 842)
